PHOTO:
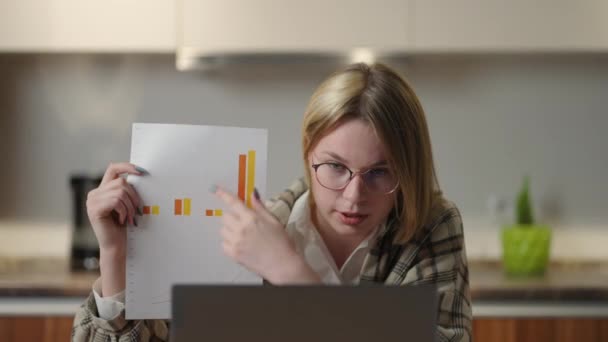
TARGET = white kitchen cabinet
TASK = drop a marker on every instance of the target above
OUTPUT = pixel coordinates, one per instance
(224, 27)
(509, 25)
(87, 26)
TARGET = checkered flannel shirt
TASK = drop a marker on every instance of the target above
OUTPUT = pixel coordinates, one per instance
(435, 256)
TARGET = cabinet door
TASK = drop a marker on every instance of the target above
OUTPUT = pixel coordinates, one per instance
(87, 25)
(292, 26)
(511, 26)
(35, 329)
(495, 330)
(537, 329)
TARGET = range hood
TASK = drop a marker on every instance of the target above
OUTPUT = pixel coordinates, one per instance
(214, 33)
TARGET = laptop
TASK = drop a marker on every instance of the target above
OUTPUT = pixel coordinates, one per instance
(249, 313)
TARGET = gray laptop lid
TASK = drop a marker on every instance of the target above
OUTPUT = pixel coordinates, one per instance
(303, 313)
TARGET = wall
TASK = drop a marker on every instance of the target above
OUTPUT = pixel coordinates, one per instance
(492, 120)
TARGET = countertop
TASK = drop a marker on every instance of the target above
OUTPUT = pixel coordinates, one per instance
(562, 281)
(38, 277)
(580, 287)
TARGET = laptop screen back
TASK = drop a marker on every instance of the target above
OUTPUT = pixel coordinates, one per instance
(303, 313)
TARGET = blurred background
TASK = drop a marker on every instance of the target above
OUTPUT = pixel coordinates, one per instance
(510, 88)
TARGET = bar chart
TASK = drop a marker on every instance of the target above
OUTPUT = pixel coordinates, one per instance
(213, 212)
(246, 181)
(246, 176)
(245, 186)
(182, 206)
(180, 230)
(151, 210)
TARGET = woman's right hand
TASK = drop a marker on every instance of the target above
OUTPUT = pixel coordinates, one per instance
(114, 203)
(110, 206)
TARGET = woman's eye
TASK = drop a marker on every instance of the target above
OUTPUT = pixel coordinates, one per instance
(378, 172)
(336, 166)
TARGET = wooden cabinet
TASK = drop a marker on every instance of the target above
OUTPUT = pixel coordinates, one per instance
(87, 26)
(36, 329)
(59, 329)
(538, 330)
(510, 26)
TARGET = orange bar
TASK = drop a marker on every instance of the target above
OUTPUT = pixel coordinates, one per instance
(209, 212)
(178, 207)
(242, 165)
(146, 210)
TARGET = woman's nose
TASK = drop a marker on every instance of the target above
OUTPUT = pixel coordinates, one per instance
(355, 189)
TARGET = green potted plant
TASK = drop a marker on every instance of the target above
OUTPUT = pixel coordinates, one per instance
(525, 244)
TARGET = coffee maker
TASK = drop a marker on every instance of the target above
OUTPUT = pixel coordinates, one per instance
(84, 253)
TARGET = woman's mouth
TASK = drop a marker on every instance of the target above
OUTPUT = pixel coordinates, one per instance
(351, 219)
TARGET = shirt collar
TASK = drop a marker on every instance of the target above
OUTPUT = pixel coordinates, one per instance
(303, 222)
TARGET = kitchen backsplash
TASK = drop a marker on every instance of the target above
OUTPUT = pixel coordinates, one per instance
(576, 243)
(492, 120)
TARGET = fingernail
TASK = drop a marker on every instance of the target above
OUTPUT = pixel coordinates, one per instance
(139, 212)
(256, 193)
(141, 170)
(135, 221)
(213, 189)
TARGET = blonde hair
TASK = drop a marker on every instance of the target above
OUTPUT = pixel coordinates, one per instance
(379, 96)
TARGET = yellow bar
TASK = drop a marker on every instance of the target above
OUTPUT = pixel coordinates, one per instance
(250, 175)
(155, 210)
(187, 202)
(218, 212)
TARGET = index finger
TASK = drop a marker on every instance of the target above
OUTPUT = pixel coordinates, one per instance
(232, 201)
(116, 169)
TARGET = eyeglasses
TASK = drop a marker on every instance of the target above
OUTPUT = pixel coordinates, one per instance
(336, 176)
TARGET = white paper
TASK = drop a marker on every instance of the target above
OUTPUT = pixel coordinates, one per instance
(183, 162)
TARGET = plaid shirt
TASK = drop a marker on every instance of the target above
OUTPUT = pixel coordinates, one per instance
(436, 255)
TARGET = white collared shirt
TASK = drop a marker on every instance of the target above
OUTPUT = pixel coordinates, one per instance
(311, 246)
(308, 243)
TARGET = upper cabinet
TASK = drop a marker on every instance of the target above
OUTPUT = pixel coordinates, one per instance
(87, 26)
(292, 25)
(198, 29)
(219, 28)
(509, 25)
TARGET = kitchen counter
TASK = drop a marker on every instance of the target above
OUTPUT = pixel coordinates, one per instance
(42, 287)
(39, 277)
(567, 289)
(563, 281)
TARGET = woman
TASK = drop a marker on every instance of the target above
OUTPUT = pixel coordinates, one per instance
(368, 210)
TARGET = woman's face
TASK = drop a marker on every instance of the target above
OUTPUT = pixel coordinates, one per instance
(355, 210)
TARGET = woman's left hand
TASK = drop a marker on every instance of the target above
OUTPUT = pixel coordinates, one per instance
(254, 238)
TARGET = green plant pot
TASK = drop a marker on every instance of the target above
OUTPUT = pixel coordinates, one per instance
(526, 249)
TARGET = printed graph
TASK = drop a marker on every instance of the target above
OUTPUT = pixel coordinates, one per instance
(151, 210)
(246, 184)
(211, 212)
(246, 181)
(183, 163)
(182, 206)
